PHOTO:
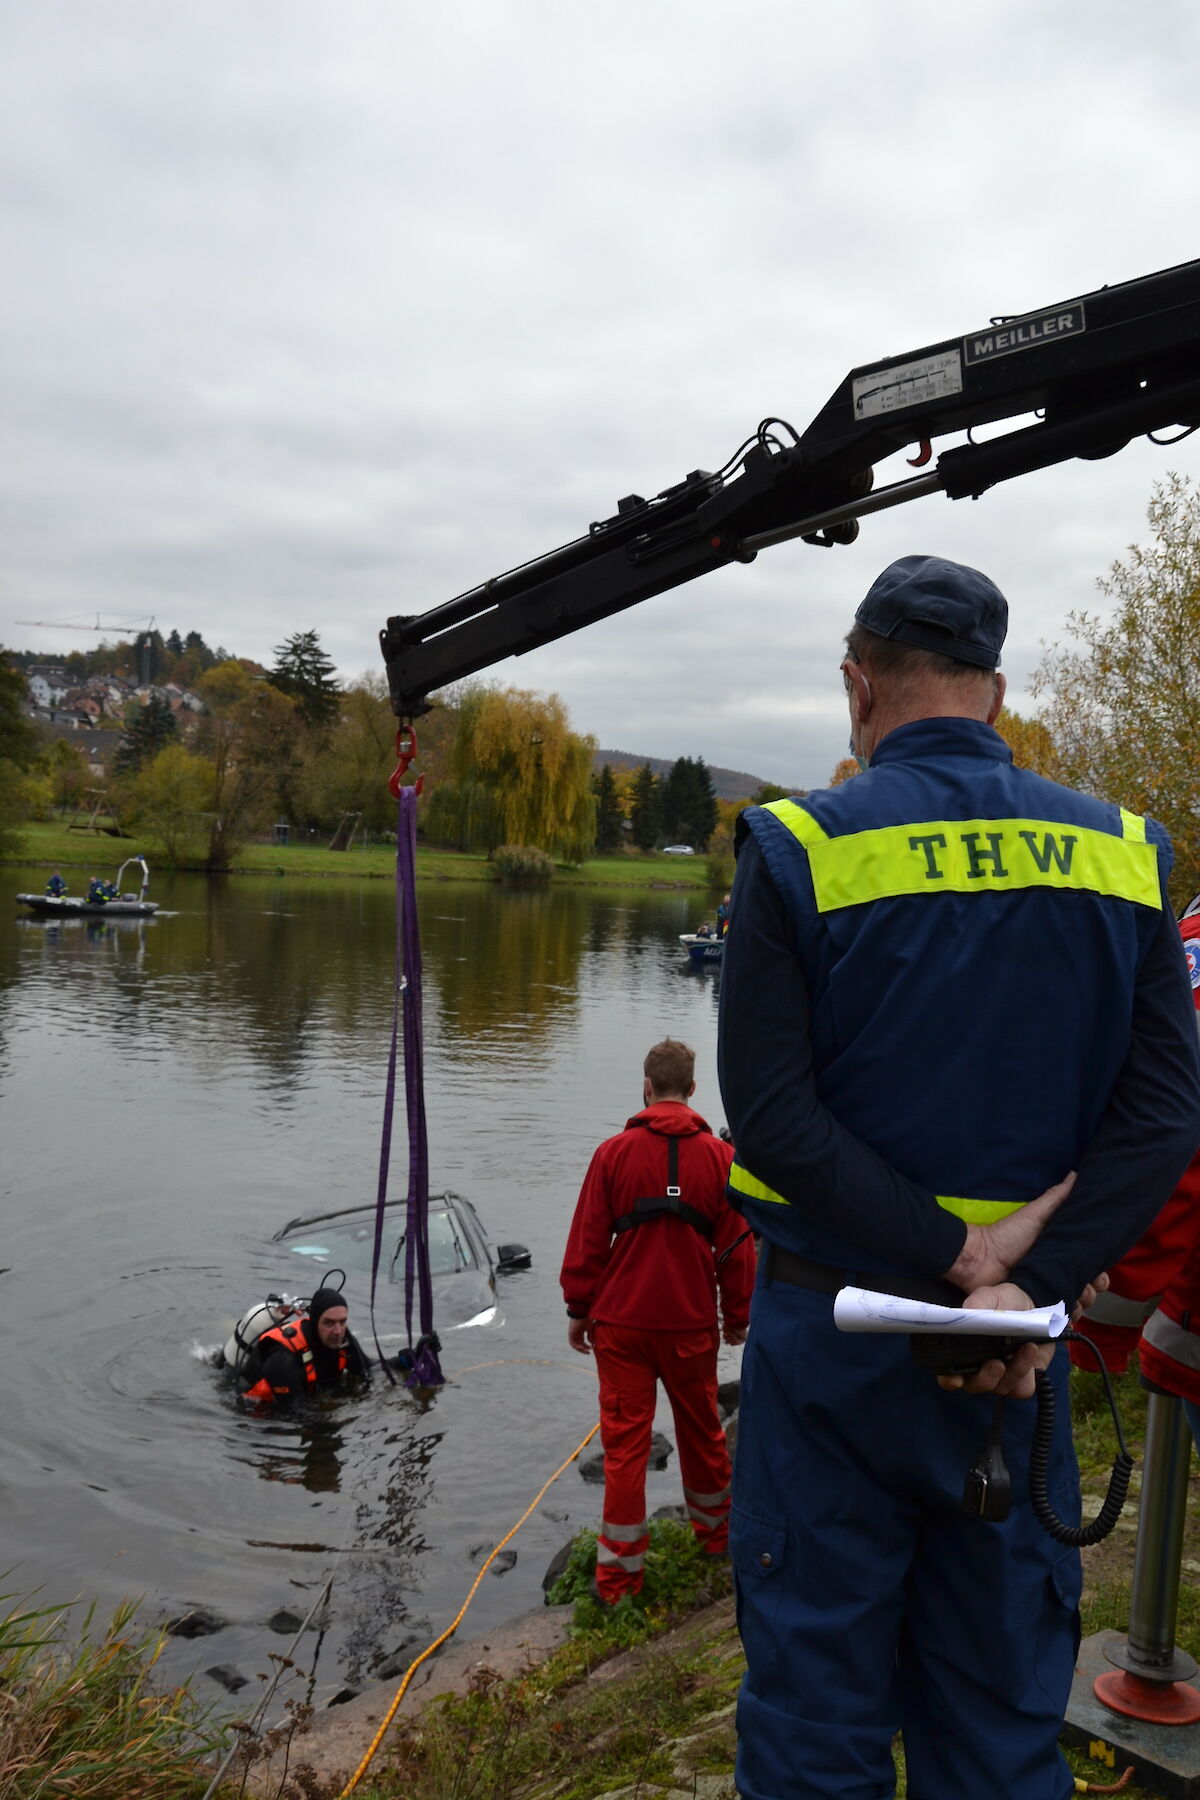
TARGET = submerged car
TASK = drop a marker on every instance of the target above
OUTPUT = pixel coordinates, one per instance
(462, 1262)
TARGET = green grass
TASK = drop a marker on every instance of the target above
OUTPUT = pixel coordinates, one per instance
(79, 1716)
(52, 846)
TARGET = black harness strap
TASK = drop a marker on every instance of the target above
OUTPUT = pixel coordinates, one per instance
(669, 1204)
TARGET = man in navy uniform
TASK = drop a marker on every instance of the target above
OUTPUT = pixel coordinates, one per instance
(950, 988)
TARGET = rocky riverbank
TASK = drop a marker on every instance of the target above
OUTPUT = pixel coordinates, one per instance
(534, 1714)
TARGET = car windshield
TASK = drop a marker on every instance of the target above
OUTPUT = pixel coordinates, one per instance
(349, 1245)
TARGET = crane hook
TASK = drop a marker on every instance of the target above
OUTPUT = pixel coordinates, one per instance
(406, 750)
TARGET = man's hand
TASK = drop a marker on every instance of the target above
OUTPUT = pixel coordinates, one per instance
(579, 1335)
(990, 1251)
(1014, 1378)
(735, 1334)
(1088, 1297)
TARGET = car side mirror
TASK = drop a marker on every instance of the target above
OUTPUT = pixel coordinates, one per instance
(512, 1256)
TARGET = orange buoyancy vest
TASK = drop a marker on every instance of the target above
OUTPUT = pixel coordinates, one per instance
(294, 1338)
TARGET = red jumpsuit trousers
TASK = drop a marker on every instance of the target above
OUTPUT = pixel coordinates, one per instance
(630, 1363)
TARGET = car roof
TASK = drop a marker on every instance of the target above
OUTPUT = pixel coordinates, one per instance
(446, 1202)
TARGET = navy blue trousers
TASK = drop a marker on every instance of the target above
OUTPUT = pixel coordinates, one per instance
(868, 1602)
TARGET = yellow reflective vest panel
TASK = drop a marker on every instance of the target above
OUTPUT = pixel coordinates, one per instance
(969, 935)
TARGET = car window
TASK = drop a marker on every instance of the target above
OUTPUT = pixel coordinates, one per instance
(350, 1246)
(449, 1249)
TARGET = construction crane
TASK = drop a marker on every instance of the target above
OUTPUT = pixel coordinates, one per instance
(140, 624)
(142, 627)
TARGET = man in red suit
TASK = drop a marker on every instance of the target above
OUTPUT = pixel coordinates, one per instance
(652, 1246)
(1154, 1290)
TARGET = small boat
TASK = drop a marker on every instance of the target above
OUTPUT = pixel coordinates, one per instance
(103, 900)
(702, 949)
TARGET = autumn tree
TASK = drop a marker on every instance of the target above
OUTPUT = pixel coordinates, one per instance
(18, 751)
(1031, 743)
(350, 772)
(68, 772)
(1123, 700)
(251, 737)
(844, 771)
(519, 775)
(171, 796)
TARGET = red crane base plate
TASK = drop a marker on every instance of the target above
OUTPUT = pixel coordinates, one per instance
(1159, 1703)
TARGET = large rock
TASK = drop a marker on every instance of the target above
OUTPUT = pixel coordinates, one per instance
(197, 1621)
(286, 1623)
(661, 1450)
(229, 1678)
(409, 1646)
(556, 1565)
(729, 1398)
(504, 1559)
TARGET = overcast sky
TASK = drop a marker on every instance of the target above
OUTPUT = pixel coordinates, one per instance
(313, 312)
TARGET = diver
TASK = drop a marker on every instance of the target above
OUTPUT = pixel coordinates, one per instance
(314, 1353)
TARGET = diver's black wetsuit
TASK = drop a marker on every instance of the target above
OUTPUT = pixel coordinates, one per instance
(285, 1373)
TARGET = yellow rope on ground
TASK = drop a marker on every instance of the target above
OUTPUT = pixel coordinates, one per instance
(367, 1760)
(526, 1362)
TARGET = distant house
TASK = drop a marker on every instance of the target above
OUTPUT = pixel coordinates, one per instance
(184, 705)
(84, 704)
(47, 686)
(97, 746)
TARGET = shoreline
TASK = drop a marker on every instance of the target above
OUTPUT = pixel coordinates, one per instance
(49, 847)
(338, 1737)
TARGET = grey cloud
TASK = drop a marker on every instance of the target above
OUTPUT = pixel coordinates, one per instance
(314, 315)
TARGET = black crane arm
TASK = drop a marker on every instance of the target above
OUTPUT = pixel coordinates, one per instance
(1097, 371)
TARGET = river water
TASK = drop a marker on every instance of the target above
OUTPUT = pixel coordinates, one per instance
(172, 1092)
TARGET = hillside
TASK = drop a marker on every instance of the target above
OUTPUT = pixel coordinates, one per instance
(728, 784)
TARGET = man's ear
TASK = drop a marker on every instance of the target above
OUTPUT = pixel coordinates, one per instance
(997, 699)
(860, 689)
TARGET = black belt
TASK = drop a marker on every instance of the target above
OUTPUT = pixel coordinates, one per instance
(822, 1278)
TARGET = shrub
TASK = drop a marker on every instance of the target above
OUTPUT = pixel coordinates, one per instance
(720, 869)
(678, 1577)
(523, 863)
(81, 1716)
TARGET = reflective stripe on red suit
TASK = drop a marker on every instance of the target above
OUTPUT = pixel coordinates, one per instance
(1153, 1302)
(652, 1294)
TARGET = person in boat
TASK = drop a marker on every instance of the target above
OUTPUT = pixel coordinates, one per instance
(653, 1247)
(56, 887)
(97, 893)
(314, 1353)
(723, 916)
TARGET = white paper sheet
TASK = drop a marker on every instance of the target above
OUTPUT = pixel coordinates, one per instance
(858, 1309)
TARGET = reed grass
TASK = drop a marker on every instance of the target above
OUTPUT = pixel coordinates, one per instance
(80, 1719)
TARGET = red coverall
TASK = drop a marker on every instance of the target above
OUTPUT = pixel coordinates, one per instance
(651, 1294)
(1155, 1288)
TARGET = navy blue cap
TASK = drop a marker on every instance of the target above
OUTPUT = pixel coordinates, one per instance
(938, 605)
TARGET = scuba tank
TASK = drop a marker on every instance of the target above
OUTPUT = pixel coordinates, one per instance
(276, 1309)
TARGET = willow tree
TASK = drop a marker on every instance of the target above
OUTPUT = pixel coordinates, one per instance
(518, 775)
(1124, 698)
